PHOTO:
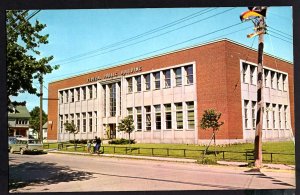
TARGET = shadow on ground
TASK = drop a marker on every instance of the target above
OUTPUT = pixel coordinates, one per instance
(33, 173)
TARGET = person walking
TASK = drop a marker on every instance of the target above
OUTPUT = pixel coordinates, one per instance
(98, 143)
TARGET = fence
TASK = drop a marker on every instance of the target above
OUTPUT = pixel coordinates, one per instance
(247, 155)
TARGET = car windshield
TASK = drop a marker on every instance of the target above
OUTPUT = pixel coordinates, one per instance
(34, 141)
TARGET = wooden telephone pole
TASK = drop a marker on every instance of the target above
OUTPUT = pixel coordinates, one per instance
(257, 16)
(41, 109)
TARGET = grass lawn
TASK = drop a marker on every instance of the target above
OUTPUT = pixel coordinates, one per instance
(234, 152)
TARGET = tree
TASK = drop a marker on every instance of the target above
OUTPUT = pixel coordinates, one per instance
(210, 119)
(127, 125)
(23, 60)
(34, 120)
(71, 128)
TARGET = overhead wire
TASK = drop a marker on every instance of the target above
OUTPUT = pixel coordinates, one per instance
(142, 34)
(280, 31)
(195, 38)
(149, 37)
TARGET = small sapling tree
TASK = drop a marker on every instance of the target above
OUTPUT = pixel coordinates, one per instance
(71, 128)
(210, 120)
(127, 126)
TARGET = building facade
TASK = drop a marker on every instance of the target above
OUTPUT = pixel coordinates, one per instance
(167, 94)
(18, 121)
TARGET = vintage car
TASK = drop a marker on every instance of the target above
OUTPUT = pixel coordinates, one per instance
(24, 145)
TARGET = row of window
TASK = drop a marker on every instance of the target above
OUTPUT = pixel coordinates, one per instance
(163, 117)
(183, 75)
(77, 94)
(272, 79)
(83, 121)
(22, 122)
(275, 115)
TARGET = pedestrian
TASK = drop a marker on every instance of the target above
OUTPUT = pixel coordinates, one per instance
(98, 142)
(89, 144)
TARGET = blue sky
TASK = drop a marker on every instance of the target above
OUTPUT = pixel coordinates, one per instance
(87, 40)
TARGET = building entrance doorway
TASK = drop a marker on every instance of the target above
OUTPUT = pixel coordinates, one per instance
(112, 131)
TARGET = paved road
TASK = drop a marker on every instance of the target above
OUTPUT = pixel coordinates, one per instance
(65, 173)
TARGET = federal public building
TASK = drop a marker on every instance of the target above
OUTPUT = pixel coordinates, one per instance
(167, 94)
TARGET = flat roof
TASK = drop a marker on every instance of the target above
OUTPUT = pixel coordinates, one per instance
(170, 52)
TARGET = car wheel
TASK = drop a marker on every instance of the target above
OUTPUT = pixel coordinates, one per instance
(11, 151)
(22, 151)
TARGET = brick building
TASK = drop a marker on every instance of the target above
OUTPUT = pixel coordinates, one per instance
(167, 94)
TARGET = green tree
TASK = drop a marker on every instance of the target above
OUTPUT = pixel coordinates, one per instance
(24, 62)
(34, 120)
(127, 126)
(210, 120)
(71, 128)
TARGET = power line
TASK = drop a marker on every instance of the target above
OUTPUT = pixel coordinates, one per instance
(75, 60)
(280, 35)
(141, 35)
(198, 37)
(33, 14)
(280, 31)
(280, 38)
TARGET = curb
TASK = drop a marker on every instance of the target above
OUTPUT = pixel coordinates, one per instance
(128, 156)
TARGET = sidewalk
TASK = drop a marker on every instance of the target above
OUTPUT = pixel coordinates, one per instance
(224, 163)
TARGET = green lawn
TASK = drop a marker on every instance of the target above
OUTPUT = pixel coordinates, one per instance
(234, 152)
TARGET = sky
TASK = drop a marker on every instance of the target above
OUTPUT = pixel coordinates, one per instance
(92, 39)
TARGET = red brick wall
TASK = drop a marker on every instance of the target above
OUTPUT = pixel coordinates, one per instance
(218, 83)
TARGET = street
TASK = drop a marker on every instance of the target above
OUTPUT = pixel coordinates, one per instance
(72, 173)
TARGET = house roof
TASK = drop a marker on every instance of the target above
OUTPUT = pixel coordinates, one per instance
(45, 126)
(20, 111)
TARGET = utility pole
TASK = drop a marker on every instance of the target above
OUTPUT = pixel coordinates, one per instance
(41, 109)
(257, 16)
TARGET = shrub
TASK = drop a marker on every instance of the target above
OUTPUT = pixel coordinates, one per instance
(122, 141)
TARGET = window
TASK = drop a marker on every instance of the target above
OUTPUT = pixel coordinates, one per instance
(274, 116)
(157, 117)
(246, 102)
(279, 116)
(273, 75)
(189, 74)
(157, 80)
(72, 118)
(138, 83)
(253, 105)
(78, 121)
(168, 116)
(285, 117)
(139, 118)
(178, 76)
(78, 93)
(120, 96)
(245, 66)
(147, 81)
(90, 122)
(148, 117)
(167, 74)
(84, 122)
(84, 93)
(61, 97)
(61, 122)
(284, 82)
(191, 115)
(279, 77)
(130, 112)
(67, 96)
(179, 115)
(266, 78)
(252, 71)
(66, 119)
(72, 95)
(95, 91)
(267, 115)
(96, 122)
(90, 92)
(104, 100)
(113, 99)
(129, 84)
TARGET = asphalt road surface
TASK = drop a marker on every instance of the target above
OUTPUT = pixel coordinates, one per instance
(74, 173)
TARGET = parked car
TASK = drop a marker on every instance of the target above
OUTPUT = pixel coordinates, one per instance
(25, 145)
(11, 140)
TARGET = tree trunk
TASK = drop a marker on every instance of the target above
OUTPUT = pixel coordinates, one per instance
(129, 142)
(214, 132)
